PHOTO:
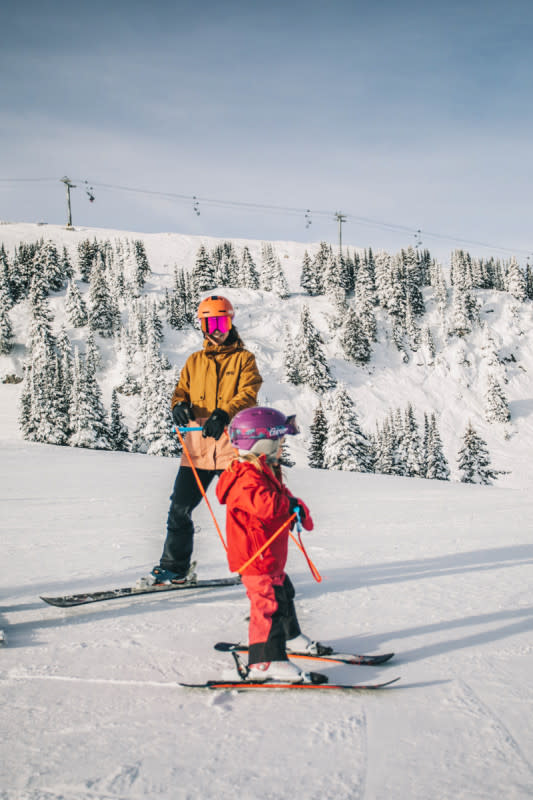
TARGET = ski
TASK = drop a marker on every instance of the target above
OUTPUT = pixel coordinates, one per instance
(335, 658)
(68, 600)
(241, 685)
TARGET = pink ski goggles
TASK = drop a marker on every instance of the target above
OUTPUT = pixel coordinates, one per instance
(212, 324)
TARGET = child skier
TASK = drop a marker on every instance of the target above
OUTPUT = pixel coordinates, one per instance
(257, 504)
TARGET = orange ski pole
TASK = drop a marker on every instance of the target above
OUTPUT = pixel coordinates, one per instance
(199, 482)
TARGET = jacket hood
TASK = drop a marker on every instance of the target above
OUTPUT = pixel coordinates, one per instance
(229, 477)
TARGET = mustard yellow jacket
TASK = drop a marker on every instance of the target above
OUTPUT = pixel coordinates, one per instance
(218, 376)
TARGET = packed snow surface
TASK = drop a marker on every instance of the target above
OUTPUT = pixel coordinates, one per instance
(438, 572)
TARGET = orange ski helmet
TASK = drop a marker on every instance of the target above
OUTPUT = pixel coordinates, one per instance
(214, 307)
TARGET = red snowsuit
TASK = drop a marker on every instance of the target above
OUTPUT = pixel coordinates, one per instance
(257, 504)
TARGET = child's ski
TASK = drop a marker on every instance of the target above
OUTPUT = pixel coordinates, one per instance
(241, 685)
(340, 658)
(66, 601)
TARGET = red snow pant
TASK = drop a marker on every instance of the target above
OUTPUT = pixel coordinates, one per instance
(273, 617)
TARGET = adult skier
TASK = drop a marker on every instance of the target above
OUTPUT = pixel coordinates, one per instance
(215, 384)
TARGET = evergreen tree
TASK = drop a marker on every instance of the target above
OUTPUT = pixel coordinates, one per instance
(7, 298)
(309, 357)
(118, 432)
(87, 253)
(204, 274)
(496, 403)
(436, 466)
(286, 458)
(290, 360)
(516, 281)
(319, 436)
(142, 266)
(347, 448)
(102, 315)
(308, 278)
(249, 276)
(6, 328)
(87, 414)
(75, 307)
(411, 444)
(474, 460)
(154, 429)
(354, 342)
(48, 262)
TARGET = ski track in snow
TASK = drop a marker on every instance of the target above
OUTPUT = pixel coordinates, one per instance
(503, 745)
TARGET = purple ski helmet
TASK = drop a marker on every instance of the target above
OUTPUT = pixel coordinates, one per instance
(258, 424)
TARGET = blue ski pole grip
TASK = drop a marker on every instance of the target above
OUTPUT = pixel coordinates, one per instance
(298, 519)
(186, 429)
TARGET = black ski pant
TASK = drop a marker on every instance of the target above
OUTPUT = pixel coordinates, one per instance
(186, 496)
(273, 617)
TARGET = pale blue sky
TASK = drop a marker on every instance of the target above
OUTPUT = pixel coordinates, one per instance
(399, 112)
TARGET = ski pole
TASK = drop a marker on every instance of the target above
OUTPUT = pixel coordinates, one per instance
(198, 481)
(185, 429)
(269, 541)
(314, 572)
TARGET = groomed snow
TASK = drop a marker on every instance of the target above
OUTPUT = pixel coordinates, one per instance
(441, 573)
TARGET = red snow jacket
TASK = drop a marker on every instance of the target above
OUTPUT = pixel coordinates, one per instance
(257, 503)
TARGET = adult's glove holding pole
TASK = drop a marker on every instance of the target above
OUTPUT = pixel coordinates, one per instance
(181, 415)
(214, 426)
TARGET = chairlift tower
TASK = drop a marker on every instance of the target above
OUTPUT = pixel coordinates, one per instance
(69, 185)
(340, 219)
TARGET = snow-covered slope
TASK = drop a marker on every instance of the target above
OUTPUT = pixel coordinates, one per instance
(438, 572)
(453, 384)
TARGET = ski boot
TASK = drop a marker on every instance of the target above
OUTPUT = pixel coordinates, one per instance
(303, 644)
(160, 576)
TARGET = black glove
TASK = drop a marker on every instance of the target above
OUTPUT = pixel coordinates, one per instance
(215, 425)
(181, 415)
(294, 503)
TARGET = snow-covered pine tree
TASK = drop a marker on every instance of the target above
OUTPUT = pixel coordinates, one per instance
(118, 432)
(141, 260)
(438, 284)
(347, 447)
(286, 458)
(66, 265)
(75, 307)
(309, 355)
(87, 414)
(203, 274)
(291, 371)
(436, 465)
(269, 267)
(516, 281)
(102, 314)
(249, 275)
(365, 298)
(47, 260)
(7, 298)
(154, 433)
(7, 338)
(87, 253)
(280, 286)
(411, 444)
(353, 339)
(319, 436)
(383, 276)
(308, 277)
(496, 403)
(474, 460)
